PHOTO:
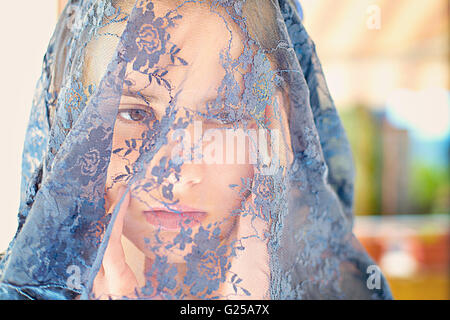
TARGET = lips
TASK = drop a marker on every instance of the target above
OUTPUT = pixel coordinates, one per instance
(179, 216)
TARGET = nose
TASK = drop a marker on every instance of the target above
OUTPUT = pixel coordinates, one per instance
(189, 178)
(166, 163)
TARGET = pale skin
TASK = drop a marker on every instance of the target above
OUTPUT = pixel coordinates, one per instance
(201, 186)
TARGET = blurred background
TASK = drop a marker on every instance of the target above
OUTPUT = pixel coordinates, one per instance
(386, 65)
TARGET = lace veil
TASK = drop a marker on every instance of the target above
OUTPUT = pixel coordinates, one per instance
(185, 150)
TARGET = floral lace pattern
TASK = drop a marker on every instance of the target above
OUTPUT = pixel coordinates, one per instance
(286, 214)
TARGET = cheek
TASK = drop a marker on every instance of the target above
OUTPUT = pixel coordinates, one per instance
(126, 132)
(226, 199)
(115, 169)
(125, 151)
(239, 172)
(118, 162)
(225, 182)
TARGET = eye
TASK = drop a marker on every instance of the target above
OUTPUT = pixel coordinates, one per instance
(136, 115)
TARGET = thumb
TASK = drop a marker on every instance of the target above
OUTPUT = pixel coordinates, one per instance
(114, 253)
(121, 203)
(110, 276)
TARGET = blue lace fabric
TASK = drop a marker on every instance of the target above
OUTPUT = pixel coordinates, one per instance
(110, 210)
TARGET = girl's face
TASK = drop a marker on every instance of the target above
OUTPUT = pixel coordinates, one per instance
(201, 189)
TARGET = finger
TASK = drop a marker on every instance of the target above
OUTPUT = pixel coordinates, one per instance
(115, 277)
(123, 201)
(114, 257)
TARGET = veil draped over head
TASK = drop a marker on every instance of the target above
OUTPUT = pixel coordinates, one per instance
(185, 150)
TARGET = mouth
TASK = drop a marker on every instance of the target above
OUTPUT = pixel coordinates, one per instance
(175, 218)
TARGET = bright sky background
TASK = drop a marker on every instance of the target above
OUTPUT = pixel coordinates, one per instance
(25, 30)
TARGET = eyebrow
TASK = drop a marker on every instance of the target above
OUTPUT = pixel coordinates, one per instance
(210, 98)
(139, 95)
(149, 99)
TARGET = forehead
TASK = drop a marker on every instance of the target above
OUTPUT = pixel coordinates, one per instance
(202, 37)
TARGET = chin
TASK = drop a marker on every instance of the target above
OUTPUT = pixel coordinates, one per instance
(174, 254)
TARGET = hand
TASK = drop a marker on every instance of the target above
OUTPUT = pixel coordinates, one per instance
(115, 278)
